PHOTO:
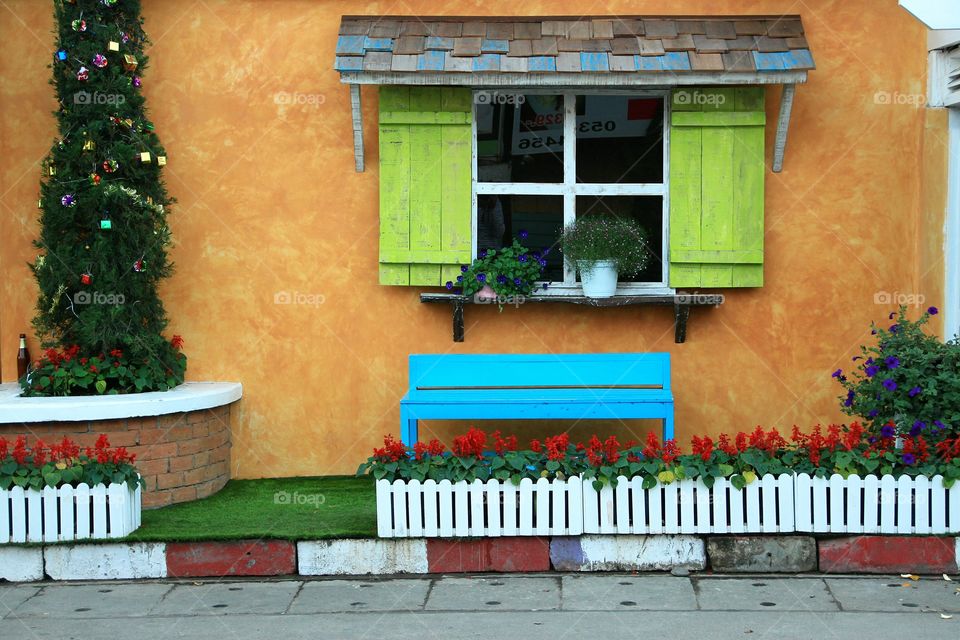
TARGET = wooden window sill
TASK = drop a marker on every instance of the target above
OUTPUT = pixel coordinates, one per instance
(681, 306)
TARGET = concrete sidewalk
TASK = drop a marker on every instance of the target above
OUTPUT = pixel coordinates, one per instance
(488, 606)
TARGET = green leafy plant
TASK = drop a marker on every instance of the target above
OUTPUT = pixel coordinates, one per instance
(511, 271)
(741, 459)
(66, 373)
(908, 378)
(65, 464)
(593, 238)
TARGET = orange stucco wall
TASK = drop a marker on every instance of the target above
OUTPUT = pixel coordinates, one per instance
(269, 202)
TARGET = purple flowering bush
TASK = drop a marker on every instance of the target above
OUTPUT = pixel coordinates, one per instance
(908, 378)
(511, 271)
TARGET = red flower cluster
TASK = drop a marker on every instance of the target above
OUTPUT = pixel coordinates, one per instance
(391, 451)
(557, 446)
(434, 448)
(949, 449)
(472, 443)
(67, 451)
(668, 451)
(599, 453)
(501, 444)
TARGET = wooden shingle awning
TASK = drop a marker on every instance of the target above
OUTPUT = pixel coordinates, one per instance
(503, 51)
(568, 51)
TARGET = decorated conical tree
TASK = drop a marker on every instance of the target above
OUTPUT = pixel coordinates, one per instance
(104, 233)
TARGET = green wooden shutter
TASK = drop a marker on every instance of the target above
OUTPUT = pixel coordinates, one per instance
(716, 187)
(425, 174)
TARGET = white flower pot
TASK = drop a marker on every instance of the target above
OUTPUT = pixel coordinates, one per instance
(599, 278)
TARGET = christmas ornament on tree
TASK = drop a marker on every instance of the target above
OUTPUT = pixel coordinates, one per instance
(94, 179)
(79, 25)
(86, 278)
(68, 200)
(113, 45)
(62, 55)
(139, 265)
(99, 61)
(83, 74)
(105, 222)
(110, 165)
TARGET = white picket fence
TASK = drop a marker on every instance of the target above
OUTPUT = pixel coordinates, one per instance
(688, 506)
(870, 504)
(68, 513)
(493, 508)
(771, 504)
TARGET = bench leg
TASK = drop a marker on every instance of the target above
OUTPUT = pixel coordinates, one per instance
(668, 424)
(408, 428)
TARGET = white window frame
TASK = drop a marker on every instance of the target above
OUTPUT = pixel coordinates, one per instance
(569, 189)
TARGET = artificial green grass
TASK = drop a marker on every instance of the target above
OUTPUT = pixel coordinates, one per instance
(279, 508)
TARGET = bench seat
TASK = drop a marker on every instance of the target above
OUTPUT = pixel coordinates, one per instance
(605, 386)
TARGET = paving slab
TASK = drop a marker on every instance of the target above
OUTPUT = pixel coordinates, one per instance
(891, 594)
(760, 594)
(12, 597)
(627, 593)
(495, 594)
(93, 601)
(228, 597)
(540, 625)
(336, 596)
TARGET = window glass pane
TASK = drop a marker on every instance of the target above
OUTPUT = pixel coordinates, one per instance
(519, 137)
(647, 210)
(501, 218)
(619, 139)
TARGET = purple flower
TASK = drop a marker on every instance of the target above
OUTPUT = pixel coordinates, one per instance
(917, 427)
(894, 328)
(501, 278)
(892, 362)
(873, 413)
(872, 439)
(459, 278)
(522, 257)
(889, 385)
(543, 263)
(888, 431)
(837, 373)
(481, 277)
(933, 311)
(872, 370)
(536, 255)
(939, 426)
(849, 401)
(523, 234)
(449, 285)
(482, 253)
(463, 268)
(545, 285)
(873, 332)
(909, 459)
(517, 281)
(915, 391)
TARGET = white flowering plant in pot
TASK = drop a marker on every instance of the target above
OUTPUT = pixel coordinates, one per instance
(604, 248)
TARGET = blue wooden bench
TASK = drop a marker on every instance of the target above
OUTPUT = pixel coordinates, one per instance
(533, 386)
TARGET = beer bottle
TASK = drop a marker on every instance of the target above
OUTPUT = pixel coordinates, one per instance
(23, 357)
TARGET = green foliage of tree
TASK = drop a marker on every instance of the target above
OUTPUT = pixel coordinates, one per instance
(104, 235)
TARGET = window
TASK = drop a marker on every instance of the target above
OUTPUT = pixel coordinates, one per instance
(542, 159)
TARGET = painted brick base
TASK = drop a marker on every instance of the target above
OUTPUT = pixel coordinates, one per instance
(181, 456)
(504, 555)
(755, 554)
(242, 558)
(888, 554)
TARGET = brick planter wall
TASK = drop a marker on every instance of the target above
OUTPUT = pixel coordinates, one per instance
(181, 456)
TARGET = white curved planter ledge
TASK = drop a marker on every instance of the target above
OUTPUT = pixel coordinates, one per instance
(189, 396)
